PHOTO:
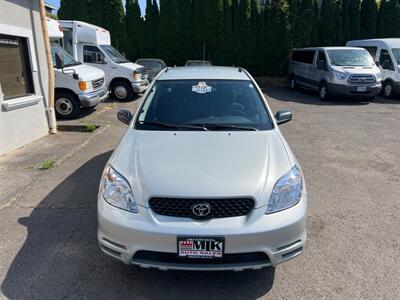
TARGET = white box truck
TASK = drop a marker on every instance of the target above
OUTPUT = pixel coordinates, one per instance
(91, 44)
(76, 84)
(386, 53)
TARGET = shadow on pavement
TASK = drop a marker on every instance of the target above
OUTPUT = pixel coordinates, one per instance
(61, 259)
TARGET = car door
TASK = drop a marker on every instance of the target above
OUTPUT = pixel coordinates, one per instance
(320, 70)
(386, 64)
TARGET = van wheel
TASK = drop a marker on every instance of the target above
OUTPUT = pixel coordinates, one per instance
(122, 91)
(323, 92)
(292, 83)
(388, 89)
(67, 106)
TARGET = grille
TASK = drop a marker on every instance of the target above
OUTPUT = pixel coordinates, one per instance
(98, 83)
(173, 258)
(362, 79)
(218, 208)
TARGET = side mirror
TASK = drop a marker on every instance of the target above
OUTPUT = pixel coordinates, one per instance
(59, 61)
(124, 116)
(283, 116)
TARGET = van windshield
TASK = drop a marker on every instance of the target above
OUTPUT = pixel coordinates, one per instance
(396, 54)
(114, 54)
(206, 104)
(69, 61)
(350, 58)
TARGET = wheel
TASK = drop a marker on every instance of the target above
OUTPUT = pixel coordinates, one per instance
(323, 92)
(388, 89)
(122, 91)
(292, 83)
(67, 106)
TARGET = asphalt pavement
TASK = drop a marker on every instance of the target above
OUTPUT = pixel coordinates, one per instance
(350, 154)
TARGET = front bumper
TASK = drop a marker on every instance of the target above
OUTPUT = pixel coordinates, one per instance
(140, 87)
(123, 235)
(351, 90)
(93, 98)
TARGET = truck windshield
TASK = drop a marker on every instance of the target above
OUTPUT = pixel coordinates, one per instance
(396, 54)
(114, 54)
(350, 58)
(69, 61)
(204, 104)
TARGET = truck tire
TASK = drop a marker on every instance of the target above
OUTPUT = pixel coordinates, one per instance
(323, 92)
(122, 91)
(66, 106)
(388, 89)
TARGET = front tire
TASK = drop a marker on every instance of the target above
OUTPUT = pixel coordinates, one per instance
(67, 106)
(388, 89)
(122, 91)
(323, 92)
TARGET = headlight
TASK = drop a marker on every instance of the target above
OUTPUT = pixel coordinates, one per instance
(136, 76)
(378, 77)
(117, 192)
(287, 191)
(339, 75)
(85, 85)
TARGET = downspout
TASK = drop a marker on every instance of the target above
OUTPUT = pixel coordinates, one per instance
(47, 47)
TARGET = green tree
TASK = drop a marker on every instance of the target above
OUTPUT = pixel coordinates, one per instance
(388, 18)
(354, 13)
(134, 29)
(226, 47)
(368, 16)
(242, 32)
(74, 10)
(200, 27)
(169, 30)
(185, 11)
(327, 23)
(151, 29)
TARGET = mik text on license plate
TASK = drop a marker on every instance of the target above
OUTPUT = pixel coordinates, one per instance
(200, 247)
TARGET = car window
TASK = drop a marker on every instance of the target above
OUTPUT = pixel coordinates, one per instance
(194, 102)
(150, 64)
(321, 61)
(385, 60)
(92, 54)
(372, 50)
(304, 56)
(350, 58)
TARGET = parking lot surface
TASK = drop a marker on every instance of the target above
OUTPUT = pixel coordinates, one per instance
(350, 154)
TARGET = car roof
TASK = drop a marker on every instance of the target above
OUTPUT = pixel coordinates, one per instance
(150, 59)
(390, 42)
(328, 48)
(204, 72)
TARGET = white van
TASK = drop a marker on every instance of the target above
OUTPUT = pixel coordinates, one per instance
(76, 84)
(91, 44)
(386, 53)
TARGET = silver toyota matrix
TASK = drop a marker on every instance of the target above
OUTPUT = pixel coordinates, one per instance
(203, 178)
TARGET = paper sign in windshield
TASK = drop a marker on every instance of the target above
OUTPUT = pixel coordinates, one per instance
(201, 88)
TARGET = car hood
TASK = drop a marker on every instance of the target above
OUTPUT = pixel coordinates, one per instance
(201, 164)
(86, 72)
(357, 70)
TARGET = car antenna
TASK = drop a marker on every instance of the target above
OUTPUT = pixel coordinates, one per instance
(240, 69)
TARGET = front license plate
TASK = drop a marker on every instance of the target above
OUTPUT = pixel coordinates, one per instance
(201, 247)
(361, 89)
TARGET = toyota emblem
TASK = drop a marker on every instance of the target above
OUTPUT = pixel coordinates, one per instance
(201, 210)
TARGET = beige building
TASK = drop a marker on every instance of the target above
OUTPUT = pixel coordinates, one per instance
(23, 75)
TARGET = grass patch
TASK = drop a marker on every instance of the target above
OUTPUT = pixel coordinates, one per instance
(90, 127)
(48, 164)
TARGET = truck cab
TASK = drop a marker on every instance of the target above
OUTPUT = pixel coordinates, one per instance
(76, 85)
(91, 45)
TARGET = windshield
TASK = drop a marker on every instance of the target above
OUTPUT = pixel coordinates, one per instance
(114, 54)
(211, 104)
(396, 54)
(350, 58)
(68, 59)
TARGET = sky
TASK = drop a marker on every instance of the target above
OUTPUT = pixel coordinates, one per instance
(56, 3)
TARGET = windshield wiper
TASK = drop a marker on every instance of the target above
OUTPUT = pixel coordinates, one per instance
(175, 126)
(226, 126)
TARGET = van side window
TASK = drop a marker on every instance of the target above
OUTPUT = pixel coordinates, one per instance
(303, 56)
(321, 61)
(92, 54)
(385, 60)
